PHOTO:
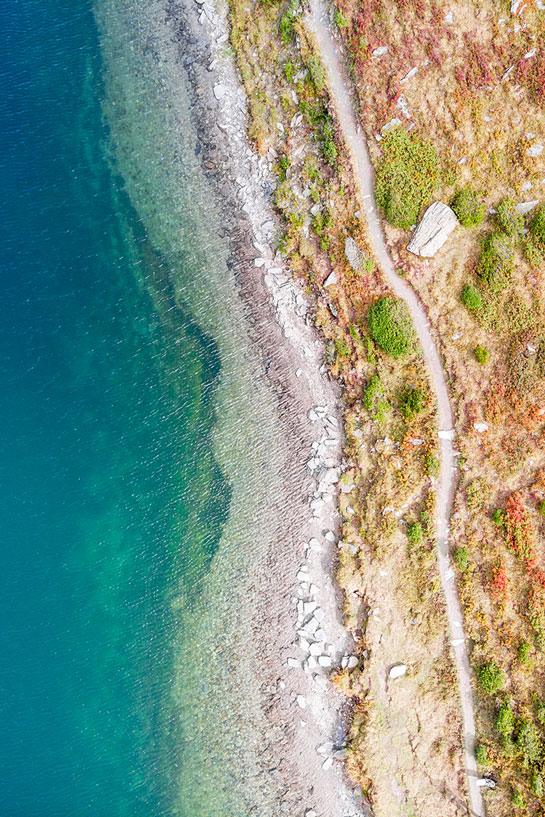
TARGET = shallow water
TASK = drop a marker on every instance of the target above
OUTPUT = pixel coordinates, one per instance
(140, 449)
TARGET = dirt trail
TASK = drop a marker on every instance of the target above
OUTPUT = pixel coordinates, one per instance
(317, 23)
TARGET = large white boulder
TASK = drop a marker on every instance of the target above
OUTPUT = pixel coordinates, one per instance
(435, 227)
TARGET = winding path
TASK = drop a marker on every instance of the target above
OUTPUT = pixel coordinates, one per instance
(317, 23)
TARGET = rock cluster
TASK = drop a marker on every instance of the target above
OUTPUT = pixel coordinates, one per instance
(436, 225)
(354, 255)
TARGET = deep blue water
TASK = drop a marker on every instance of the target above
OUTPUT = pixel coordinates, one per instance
(106, 406)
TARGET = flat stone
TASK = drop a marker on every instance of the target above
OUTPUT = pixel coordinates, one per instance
(398, 671)
(325, 748)
(408, 76)
(480, 427)
(331, 280)
(525, 206)
(293, 663)
(301, 702)
(535, 150)
(354, 255)
(446, 435)
(316, 649)
(327, 764)
(220, 91)
(352, 662)
(325, 661)
(436, 225)
(380, 51)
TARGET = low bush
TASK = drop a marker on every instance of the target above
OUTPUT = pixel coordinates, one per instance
(375, 401)
(461, 559)
(509, 219)
(469, 209)
(412, 402)
(498, 517)
(518, 799)
(542, 507)
(390, 326)
(414, 533)
(407, 175)
(537, 227)
(471, 298)
(495, 263)
(537, 784)
(523, 652)
(527, 741)
(505, 721)
(532, 252)
(432, 465)
(491, 677)
(481, 754)
(481, 354)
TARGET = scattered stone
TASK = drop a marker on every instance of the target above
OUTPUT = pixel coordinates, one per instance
(310, 813)
(293, 663)
(353, 662)
(344, 662)
(325, 661)
(331, 279)
(304, 644)
(327, 764)
(303, 723)
(312, 662)
(316, 649)
(301, 702)
(380, 51)
(525, 206)
(515, 6)
(530, 54)
(319, 614)
(435, 227)
(319, 634)
(354, 255)
(446, 435)
(535, 150)
(398, 671)
(393, 123)
(219, 91)
(448, 18)
(325, 748)
(480, 427)
(408, 76)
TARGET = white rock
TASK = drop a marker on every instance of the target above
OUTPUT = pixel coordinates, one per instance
(325, 748)
(480, 427)
(530, 54)
(457, 642)
(301, 702)
(380, 51)
(515, 6)
(220, 90)
(353, 661)
(446, 435)
(312, 663)
(293, 663)
(330, 536)
(448, 18)
(304, 644)
(311, 626)
(525, 206)
(344, 662)
(319, 614)
(393, 123)
(331, 279)
(354, 255)
(327, 764)
(319, 634)
(316, 649)
(398, 671)
(314, 544)
(325, 661)
(302, 576)
(408, 76)
(435, 227)
(312, 416)
(310, 813)
(535, 150)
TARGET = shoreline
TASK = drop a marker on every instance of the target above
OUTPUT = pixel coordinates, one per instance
(296, 692)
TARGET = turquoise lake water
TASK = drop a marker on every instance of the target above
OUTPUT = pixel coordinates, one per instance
(113, 501)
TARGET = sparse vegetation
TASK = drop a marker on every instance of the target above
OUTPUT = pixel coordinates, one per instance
(481, 355)
(509, 219)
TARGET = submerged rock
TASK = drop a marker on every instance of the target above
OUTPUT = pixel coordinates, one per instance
(435, 227)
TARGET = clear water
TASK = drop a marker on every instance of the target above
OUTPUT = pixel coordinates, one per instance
(136, 443)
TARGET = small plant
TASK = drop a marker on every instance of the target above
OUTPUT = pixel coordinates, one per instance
(461, 559)
(509, 219)
(532, 252)
(542, 507)
(537, 784)
(481, 754)
(527, 741)
(495, 263)
(289, 71)
(432, 465)
(517, 799)
(505, 721)
(414, 533)
(537, 227)
(471, 298)
(407, 175)
(374, 400)
(342, 348)
(523, 653)
(498, 517)
(390, 326)
(468, 207)
(491, 677)
(283, 166)
(412, 402)
(481, 355)
(317, 73)
(340, 20)
(367, 265)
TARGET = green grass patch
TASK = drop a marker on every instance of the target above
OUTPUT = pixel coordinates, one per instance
(415, 533)
(471, 298)
(481, 355)
(495, 264)
(461, 559)
(407, 175)
(509, 219)
(412, 402)
(391, 327)
(491, 677)
(468, 207)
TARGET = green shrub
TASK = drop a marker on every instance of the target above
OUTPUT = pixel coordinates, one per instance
(374, 400)
(469, 209)
(491, 677)
(495, 263)
(505, 721)
(532, 252)
(542, 507)
(523, 652)
(412, 402)
(498, 517)
(517, 799)
(508, 218)
(481, 354)
(481, 754)
(407, 175)
(471, 298)
(527, 741)
(537, 226)
(342, 348)
(461, 559)
(537, 784)
(340, 20)
(414, 533)
(390, 326)
(432, 465)
(317, 73)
